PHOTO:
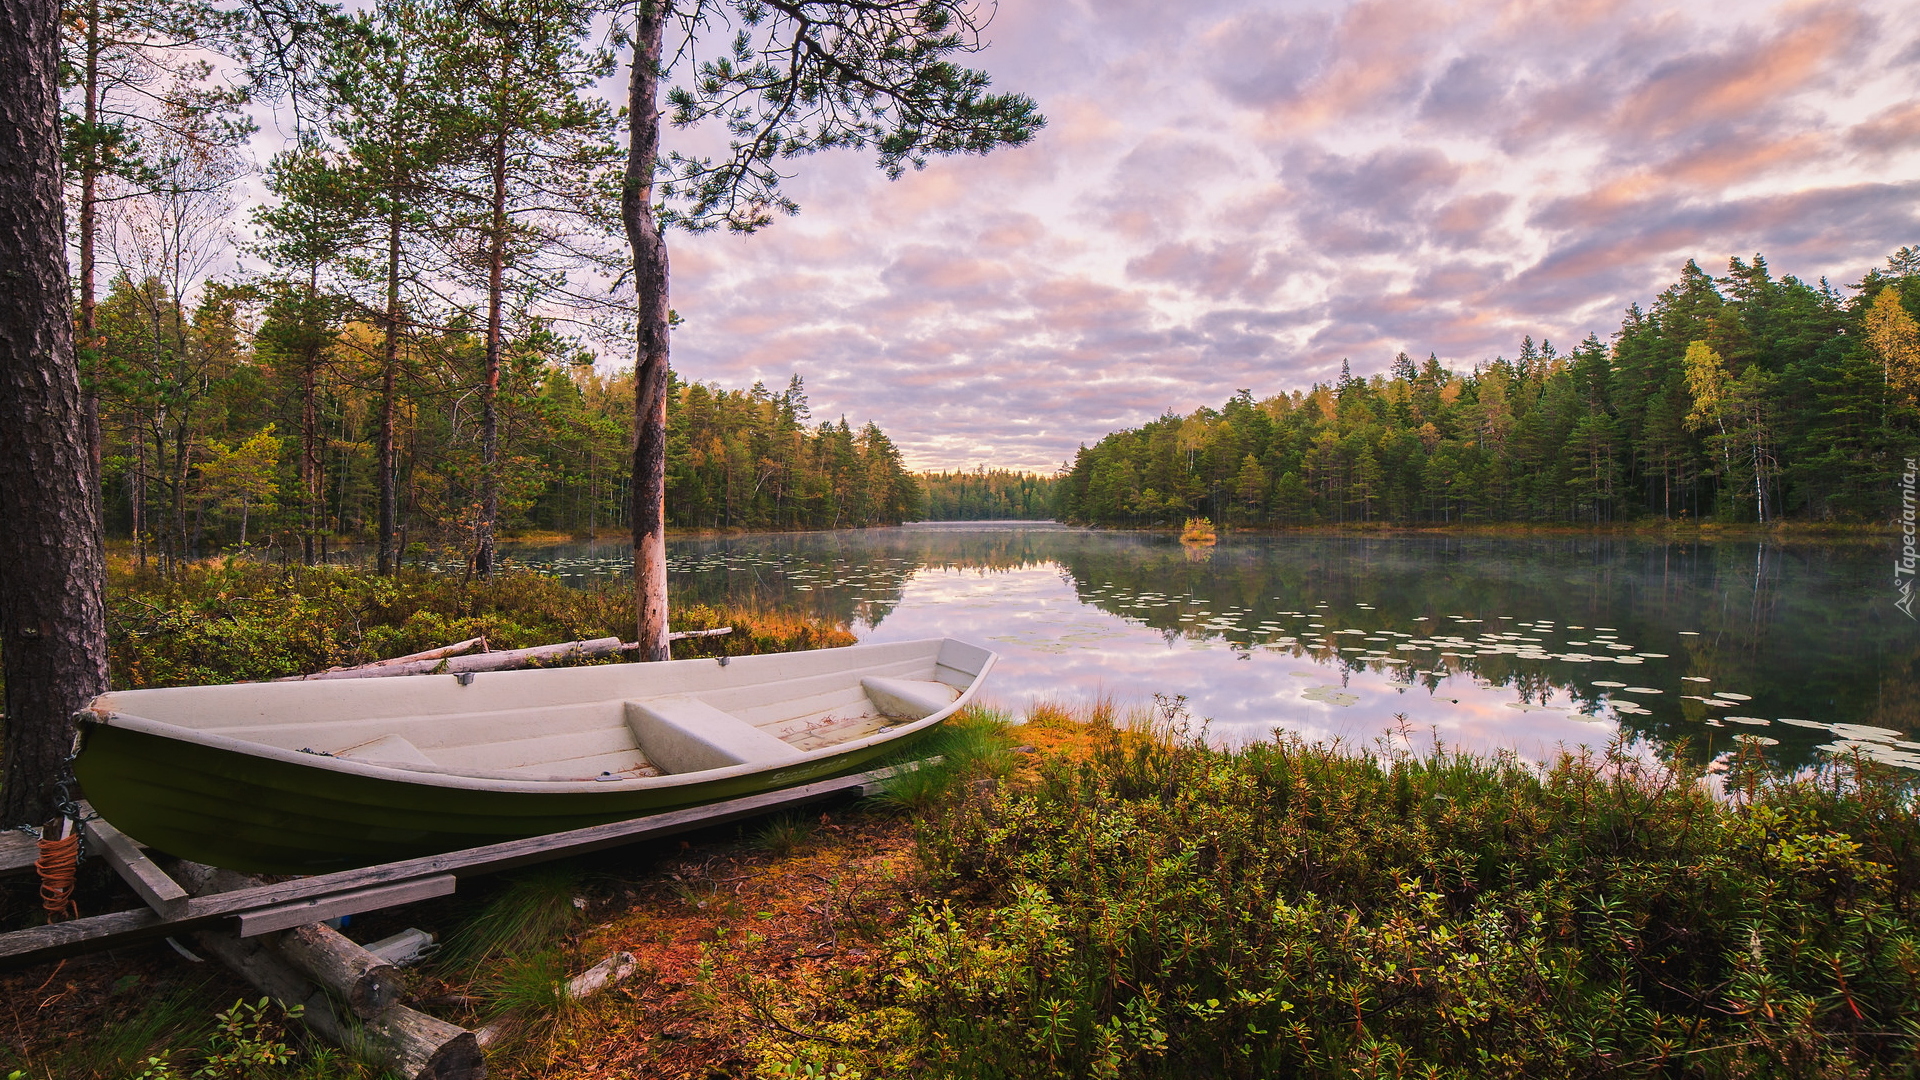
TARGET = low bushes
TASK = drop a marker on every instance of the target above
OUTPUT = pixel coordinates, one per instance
(1159, 908)
(235, 620)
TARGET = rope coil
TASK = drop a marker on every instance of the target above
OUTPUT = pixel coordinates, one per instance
(59, 870)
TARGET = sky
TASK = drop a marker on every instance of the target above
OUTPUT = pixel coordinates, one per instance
(1232, 194)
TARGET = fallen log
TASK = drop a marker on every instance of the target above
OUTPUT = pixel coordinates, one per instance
(440, 653)
(365, 982)
(503, 660)
(309, 966)
(404, 1041)
(591, 981)
(678, 635)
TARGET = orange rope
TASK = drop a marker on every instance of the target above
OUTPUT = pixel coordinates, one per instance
(59, 866)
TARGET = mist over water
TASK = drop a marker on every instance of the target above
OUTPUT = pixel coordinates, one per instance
(1527, 644)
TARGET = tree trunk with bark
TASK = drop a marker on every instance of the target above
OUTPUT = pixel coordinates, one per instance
(650, 295)
(90, 341)
(389, 370)
(52, 611)
(490, 383)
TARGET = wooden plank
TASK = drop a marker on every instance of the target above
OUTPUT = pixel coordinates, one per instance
(320, 908)
(161, 893)
(35, 944)
(17, 851)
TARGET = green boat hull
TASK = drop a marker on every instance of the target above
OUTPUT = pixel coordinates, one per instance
(265, 816)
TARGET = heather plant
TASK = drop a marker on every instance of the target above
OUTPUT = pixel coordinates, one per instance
(1163, 908)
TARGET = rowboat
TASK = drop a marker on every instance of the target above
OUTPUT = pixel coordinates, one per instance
(308, 777)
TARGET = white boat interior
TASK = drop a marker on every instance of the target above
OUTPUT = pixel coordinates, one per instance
(606, 723)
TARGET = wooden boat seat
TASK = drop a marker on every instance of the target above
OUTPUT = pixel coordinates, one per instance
(684, 734)
(912, 699)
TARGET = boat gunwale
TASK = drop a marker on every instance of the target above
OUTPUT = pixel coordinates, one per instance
(445, 778)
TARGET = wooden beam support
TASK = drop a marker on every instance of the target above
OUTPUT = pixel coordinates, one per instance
(161, 893)
(319, 908)
(34, 944)
(17, 851)
(367, 983)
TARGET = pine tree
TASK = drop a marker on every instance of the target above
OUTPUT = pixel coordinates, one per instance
(800, 78)
(536, 159)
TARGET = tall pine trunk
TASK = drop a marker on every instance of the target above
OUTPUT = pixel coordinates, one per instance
(90, 342)
(389, 367)
(52, 612)
(490, 383)
(650, 297)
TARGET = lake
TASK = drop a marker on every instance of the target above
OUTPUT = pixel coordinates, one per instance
(1529, 644)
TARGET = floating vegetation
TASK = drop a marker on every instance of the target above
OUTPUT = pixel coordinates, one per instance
(1694, 678)
(1865, 731)
(1331, 695)
(1730, 696)
(1644, 690)
(1754, 740)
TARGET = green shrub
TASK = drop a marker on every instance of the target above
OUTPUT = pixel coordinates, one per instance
(1166, 909)
(238, 620)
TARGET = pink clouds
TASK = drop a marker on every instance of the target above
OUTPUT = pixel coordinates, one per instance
(1241, 193)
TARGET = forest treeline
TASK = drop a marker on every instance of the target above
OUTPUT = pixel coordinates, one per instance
(1738, 398)
(207, 422)
(405, 352)
(986, 495)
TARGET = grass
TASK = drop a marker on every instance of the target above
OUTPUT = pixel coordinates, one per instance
(531, 913)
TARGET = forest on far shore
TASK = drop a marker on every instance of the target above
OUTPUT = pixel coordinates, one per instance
(1742, 398)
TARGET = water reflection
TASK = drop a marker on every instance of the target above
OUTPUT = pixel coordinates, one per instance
(1523, 643)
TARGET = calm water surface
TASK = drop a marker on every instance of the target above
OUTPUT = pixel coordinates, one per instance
(1528, 644)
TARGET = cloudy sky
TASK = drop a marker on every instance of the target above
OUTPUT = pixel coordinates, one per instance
(1234, 193)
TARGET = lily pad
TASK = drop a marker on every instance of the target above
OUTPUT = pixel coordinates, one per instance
(1866, 732)
(1755, 740)
(1332, 695)
(1730, 696)
(1694, 678)
(1607, 682)
(1644, 690)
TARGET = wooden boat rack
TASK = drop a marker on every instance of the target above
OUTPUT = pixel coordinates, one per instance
(278, 906)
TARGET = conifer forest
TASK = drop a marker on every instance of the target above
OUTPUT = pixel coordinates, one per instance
(412, 331)
(1741, 398)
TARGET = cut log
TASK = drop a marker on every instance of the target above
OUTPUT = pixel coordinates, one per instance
(503, 660)
(364, 981)
(591, 981)
(368, 984)
(300, 966)
(601, 975)
(440, 653)
(408, 1043)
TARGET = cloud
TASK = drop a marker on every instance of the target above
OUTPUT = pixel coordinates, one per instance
(1897, 128)
(1231, 194)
